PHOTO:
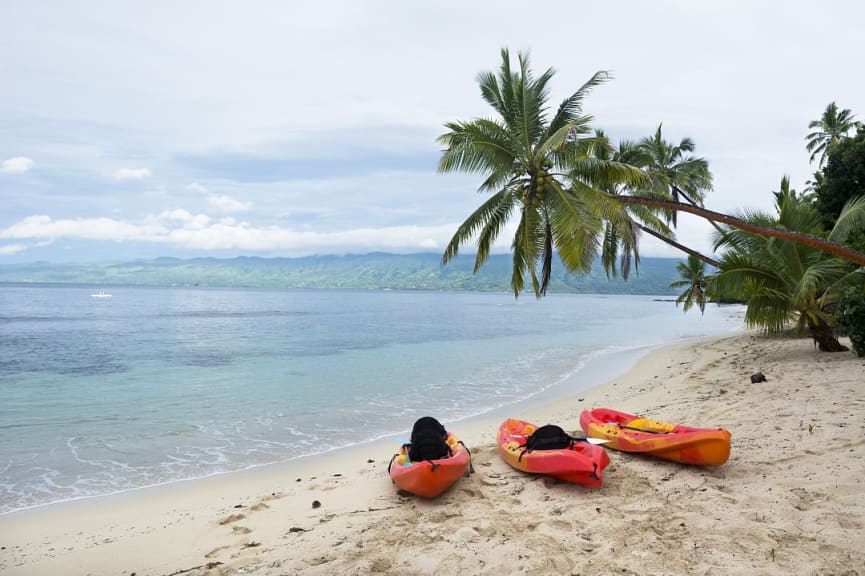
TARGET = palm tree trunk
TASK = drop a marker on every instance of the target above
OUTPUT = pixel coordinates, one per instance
(824, 337)
(789, 235)
(681, 247)
(693, 203)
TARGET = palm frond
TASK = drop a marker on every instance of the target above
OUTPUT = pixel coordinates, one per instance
(489, 210)
(572, 106)
(852, 218)
(475, 146)
(496, 219)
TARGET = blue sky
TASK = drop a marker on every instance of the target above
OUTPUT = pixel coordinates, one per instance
(142, 129)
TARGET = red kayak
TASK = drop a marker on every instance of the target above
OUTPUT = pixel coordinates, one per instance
(429, 478)
(580, 463)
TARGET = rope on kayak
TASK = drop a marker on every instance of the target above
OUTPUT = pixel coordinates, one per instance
(471, 466)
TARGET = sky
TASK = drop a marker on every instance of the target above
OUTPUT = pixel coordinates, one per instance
(269, 128)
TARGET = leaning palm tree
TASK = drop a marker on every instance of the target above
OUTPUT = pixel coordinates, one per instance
(547, 175)
(693, 278)
(829, 245)
(831, 128)
(674, 171)
(783, 282)
(621, 236)
(620, 245)
(540, 170)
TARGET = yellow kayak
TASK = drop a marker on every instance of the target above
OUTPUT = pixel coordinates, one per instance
(630, 433)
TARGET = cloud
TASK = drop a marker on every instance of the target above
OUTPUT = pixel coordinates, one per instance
(42, 227)
(225, 203)
(12, 249)
(183, 229)
(132, 174)
(196, 187)
(16, 165)
(186, 218)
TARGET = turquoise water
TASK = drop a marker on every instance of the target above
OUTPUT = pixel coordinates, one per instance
(155, 385)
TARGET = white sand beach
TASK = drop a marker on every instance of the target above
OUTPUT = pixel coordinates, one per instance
(791, 499)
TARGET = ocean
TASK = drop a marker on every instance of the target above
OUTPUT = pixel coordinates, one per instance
(158, 385)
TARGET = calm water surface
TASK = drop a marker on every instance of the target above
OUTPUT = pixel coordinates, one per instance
(154, 385)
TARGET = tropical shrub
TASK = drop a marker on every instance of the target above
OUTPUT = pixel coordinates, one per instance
(850, 317)
(784, 282)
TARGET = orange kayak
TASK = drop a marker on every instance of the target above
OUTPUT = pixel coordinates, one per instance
(582, 463)
(429, 478)
(630, 433)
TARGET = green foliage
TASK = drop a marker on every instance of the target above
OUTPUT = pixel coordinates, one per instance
(541, 171)
(675, 173)
(782, 281)
(850, 316)
(843, 178)
(832, 127)
(671, 173)
(693, 279)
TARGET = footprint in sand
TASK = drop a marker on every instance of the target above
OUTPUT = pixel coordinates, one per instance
(380, 565)
(439, 517)
(216, 551)
(230, 519)
(240, 530)
(561, 525)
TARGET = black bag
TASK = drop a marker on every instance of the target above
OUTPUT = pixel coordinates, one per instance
(428, 440)
(549, 437)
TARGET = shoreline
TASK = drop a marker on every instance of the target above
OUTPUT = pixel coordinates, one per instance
(734, 519)
(599, 366)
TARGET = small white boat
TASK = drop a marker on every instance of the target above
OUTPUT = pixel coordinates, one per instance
(101, 294)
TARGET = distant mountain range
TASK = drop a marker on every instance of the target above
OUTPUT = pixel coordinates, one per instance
(367, 271)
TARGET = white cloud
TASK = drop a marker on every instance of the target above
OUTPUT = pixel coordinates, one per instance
(182, 229)
(196, 187)
(225, 203)
(12, 249)
(42, 227)
(16, 165)
(132, 174)
(188, 219)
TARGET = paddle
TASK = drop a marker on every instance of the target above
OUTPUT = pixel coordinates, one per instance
(594, 441)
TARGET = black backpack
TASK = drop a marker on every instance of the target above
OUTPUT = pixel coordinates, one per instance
(549, 437)
(428, 440)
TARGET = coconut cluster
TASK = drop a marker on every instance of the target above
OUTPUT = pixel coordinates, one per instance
(539, 182)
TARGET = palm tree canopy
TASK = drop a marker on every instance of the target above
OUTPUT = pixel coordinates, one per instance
(541, 170)
(674, 171)
(830, 129)
(693, 278)
(562, 185)
(783, 281)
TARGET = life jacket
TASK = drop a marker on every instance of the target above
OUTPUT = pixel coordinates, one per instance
(549, 437)
(428, 440)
